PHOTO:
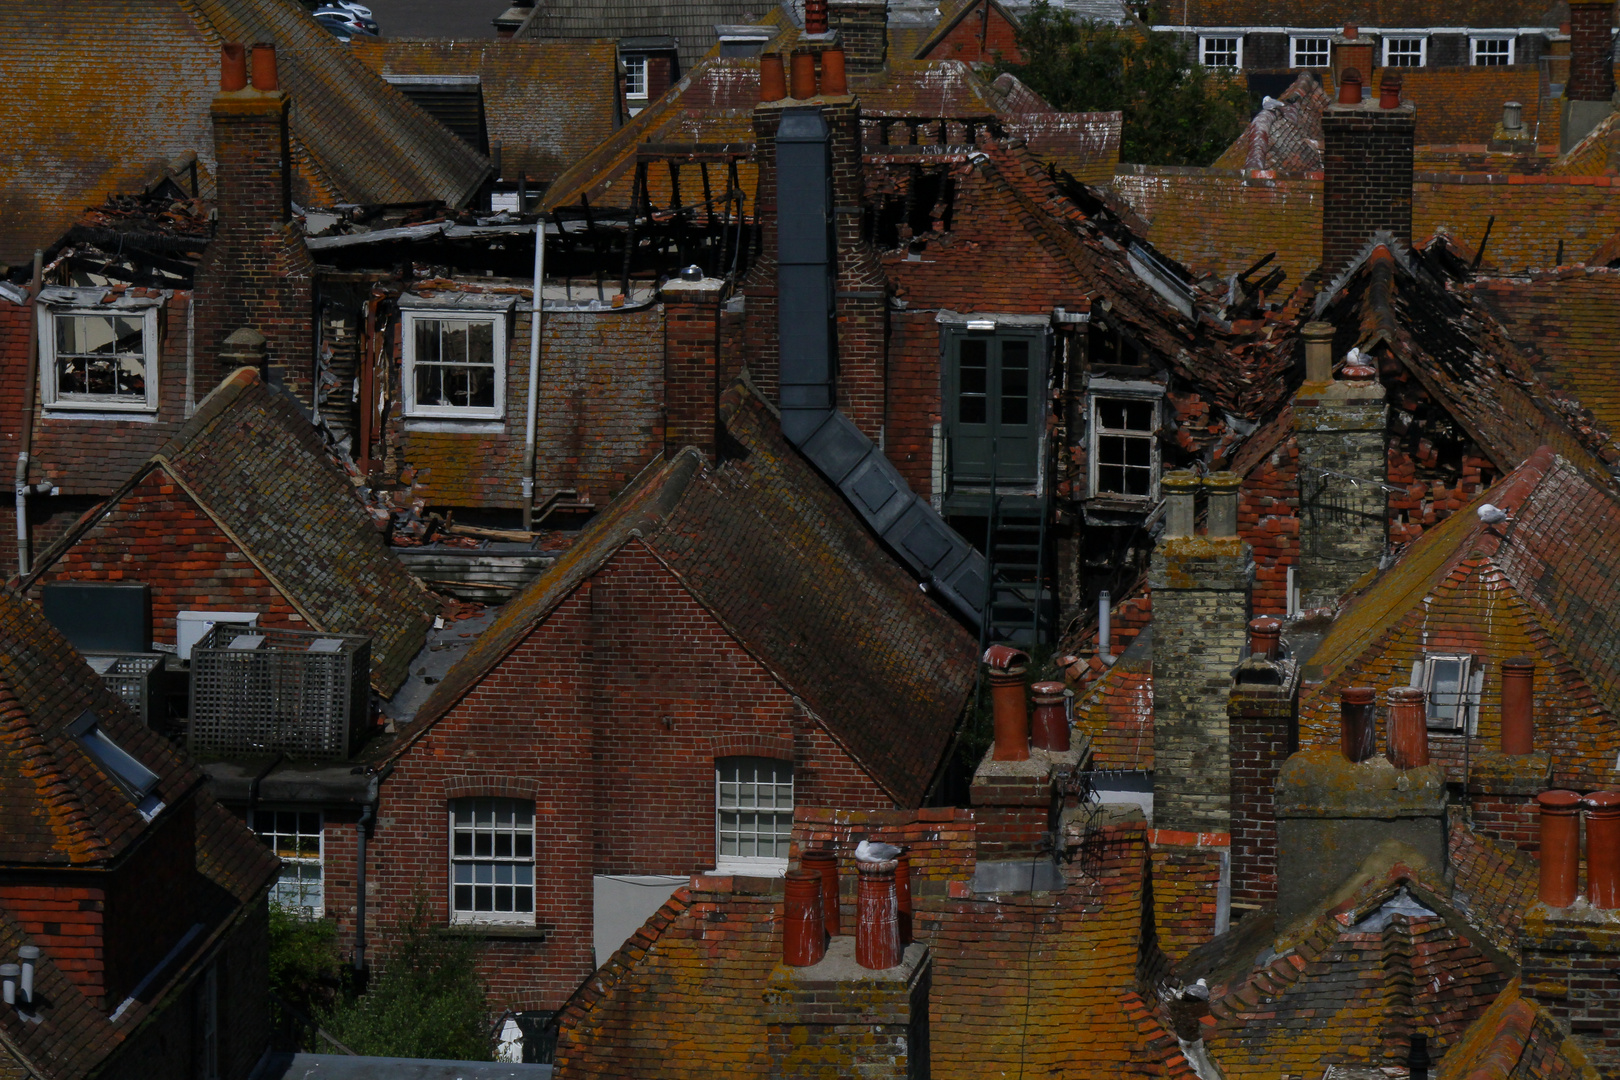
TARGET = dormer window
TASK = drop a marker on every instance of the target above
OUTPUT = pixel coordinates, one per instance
(1221, 51)
(119, 765)
(1406, 51)
(1123, 441)
(635, 78)
(1451, 683)
(95, 357)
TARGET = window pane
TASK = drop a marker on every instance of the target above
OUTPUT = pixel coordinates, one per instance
(492, 850)
(754, 817)
(1015, 382)
(1139, 415)
(973, 379)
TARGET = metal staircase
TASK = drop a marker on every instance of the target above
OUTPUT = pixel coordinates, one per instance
(1023, 605)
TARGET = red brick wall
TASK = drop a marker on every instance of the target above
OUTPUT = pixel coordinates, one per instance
(67, 922)
(611, 714)
(1268, 518)
(158, 535)
(691, 339)
(1591, 70)
(1367, 179)
(1511, 820)
(973, 40)
(914, 397)
(256, 272)
(1260, 719)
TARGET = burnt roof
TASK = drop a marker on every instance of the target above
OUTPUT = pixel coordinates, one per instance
(250, 460)
(773, 552)
(105, 93)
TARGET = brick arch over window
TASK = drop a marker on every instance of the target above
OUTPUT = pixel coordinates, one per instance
(765, 746)
(501, 787)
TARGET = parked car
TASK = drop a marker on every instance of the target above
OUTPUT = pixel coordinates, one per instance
(340, 21)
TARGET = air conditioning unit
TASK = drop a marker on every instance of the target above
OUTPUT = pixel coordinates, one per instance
(257, 690)
(190, 626)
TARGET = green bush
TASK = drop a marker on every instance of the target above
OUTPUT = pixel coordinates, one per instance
(304, 965)
(425, 1001)
(1176, 112)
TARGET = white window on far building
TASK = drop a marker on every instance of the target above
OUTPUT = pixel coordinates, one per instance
(1405, 51)
(635, 77)
(454, 357)
(1492, 51)
(754, 813)
(492, 861)
(1221, 51)
(295, 835)
(1310, 52)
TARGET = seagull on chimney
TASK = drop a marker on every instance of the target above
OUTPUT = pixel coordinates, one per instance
(871, 851)
(1491, 515)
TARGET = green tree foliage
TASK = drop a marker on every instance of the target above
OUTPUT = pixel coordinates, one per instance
(426, 1001)
(304, 965)
(1175, 112)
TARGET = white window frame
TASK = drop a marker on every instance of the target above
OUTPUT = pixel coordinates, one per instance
(1475, 41)
(52, 397)
(749, 864)
(1205, 43)
(265, 830)
(1295, 47)
(1450, 717)
(1102, 390)
(635, 68)
(1422, 52)
(408, 320)
(460, 916)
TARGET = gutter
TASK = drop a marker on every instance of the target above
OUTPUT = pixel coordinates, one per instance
(26, 439)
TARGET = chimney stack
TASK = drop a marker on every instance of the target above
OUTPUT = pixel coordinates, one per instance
(1351, 49)
(256, 273)
(863, 28)
(1518, 706)
(1367, 174)
(1589, 93)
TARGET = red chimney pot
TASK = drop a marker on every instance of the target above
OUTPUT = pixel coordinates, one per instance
(1357, 738)
(877, 916)
(1265, 634)
(804, 934)
(1389, 91)
(1560, 847)
(1349, 87)
(1603, 849)
(772, 80)
(1408, 727)
(232, 66)
(1518, 706)
(264, 67)
(1010, 715)
(1050, 729)
(804, 75)
(815, 16)
(833, 81)
(1352, 31)
(824, 862)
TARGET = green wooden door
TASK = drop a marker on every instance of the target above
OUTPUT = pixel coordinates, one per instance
(993, 408)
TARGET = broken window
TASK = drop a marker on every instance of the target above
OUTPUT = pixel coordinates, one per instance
(754, 812)
(1310, 52)
(491, 860)
(1221, 52)
(101, 360)
(1124, 450)
(455, 365)
(1405, 51)
(295, 836)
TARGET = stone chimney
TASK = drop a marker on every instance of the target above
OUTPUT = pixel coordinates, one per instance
(691, 361)
(1367, 174)
(1200, 618)
(863, 26)
(1340, 427)
(1589, 93)
(256, 272)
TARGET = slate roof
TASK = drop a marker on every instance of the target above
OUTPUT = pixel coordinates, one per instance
(1286, 138)
(58, 807)
(549, 104)
(251, 462)
(104, 93)
(1386, 13)
(690, 22)
(1544, 585)
(784, 564)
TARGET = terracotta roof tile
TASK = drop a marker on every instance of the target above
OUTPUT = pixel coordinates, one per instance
(1118, 711)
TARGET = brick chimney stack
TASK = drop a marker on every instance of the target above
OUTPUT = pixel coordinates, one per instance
(1589, 93)
(691, 361)
(863, 27)
(1367, 176)
(256, 272)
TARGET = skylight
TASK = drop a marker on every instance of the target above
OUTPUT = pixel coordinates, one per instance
(130, 774)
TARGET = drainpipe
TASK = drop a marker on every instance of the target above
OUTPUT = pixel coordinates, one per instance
(26, 441)
(535, 330)
(367, 814)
